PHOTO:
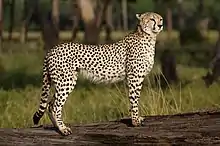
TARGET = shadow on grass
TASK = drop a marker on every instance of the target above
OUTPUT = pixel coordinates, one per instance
(18, 79)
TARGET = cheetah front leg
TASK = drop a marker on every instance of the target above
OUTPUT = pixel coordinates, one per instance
(63, 88)
(135, 85)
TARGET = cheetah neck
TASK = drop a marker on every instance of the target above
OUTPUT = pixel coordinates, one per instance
(141, 32)
(151, 38)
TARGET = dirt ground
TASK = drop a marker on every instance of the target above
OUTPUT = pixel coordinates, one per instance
(200, 128)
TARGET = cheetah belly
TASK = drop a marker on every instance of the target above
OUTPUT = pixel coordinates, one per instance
(108, 74)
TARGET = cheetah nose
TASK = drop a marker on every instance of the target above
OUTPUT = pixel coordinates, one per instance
(159, 26)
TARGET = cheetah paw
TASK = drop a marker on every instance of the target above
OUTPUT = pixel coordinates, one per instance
(138, 121)
(65, 131)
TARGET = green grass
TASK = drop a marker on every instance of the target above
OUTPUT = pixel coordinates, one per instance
(211, 35)
(20, 88)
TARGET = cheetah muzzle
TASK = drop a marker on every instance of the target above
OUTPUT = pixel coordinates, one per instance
(131, 58)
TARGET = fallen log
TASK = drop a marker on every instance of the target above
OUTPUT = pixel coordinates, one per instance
(198, 128)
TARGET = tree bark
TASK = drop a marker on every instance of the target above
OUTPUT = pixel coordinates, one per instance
(25, 22)
(202, 22)
(75, 18)
(109, 22)
(199, 128)
(124, 14)
(214, 65)
(118, 15)
(88, 16)
(101, 14)
(28, 11)
(49, 34)
(49, 30)
(56, 16)
(201, 6)
(11, 26)
(169, 22)
(181, 15)
(168, 67)
(1, 23)
(91, 20)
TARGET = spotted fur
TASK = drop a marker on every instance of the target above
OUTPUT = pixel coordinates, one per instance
(131, 58)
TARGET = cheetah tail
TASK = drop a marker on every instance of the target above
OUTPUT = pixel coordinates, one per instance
(44, 96)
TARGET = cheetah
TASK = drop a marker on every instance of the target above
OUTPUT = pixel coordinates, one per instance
(130, 58)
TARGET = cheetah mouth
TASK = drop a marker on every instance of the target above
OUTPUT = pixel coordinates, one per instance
(156, 30)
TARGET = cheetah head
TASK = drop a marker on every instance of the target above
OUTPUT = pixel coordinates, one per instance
(150, 23)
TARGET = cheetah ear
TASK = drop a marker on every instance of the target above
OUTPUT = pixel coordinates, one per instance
(138, 16)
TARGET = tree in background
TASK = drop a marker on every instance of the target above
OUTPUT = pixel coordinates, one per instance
(214, 11)
(169, 17)
(25, 22)
(92, 18)
(202, 18)
(1, 23)
(167, 9)
(56, 17)
(29, 9)
(190, 33)
(185, 12)
(75, 16)
(109, 22)
(49, 24)
(11, 25)
(124, 14)
(181, 20)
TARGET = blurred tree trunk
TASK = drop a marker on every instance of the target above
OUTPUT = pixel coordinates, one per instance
(88, 16)
(49, 33)
(218, 40)
(181, 15)
(25, 22)
(1, 23)
(214, 65)
(169, 22)
(118, 15)
(203, 21)
(201, 7)
(181, 20)
(168, 67)
(91, 20)
(48, 28)
(216, 54)
(28, 12)
(168, 5)
(56, 16)
(11, 26)
(109, 22)
(75, 18)
(124, 14)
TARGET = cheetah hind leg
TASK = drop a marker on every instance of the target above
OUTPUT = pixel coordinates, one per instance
(50, 113)
(58, 101)
(64, 130)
